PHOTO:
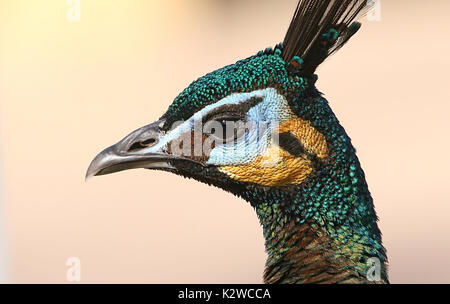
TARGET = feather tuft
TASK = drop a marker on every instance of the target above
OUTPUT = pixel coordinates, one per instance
(320, 28)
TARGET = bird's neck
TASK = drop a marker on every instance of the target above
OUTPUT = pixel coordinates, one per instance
(325, 229)
(308, 253)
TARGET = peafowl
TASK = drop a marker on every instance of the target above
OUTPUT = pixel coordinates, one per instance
(261, 130)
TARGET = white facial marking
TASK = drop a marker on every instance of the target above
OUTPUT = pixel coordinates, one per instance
(262, 120)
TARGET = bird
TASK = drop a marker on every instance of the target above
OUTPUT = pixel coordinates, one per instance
(261, 130)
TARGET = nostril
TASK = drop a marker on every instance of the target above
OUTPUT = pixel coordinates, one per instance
(148, 142)
(142, 144)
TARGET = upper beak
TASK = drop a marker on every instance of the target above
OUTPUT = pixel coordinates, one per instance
(133, 152)
(108, 161)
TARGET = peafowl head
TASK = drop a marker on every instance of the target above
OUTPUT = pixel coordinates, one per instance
(260, 129)
(236, 128)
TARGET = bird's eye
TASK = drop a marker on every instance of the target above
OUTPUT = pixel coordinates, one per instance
(224, 130)
(142, 144)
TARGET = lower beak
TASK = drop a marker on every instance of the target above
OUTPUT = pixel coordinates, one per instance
(108, 161)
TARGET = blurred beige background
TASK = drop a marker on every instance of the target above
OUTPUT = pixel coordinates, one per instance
(69, 89)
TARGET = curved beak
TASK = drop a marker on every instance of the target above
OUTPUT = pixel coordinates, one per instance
(139, 149)
(108, 161)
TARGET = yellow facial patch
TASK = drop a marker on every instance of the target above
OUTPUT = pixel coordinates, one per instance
(312, 140)
(277, 167)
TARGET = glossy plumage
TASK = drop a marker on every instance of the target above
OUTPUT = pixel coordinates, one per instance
(314, 204)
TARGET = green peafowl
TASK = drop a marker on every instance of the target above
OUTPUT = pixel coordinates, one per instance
(261, 130)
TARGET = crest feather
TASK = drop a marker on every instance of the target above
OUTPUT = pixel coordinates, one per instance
(320, 28)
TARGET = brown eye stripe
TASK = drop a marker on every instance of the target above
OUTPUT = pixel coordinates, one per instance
(290, 143)
(237, 110)
(312, 141)
(189, 138)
